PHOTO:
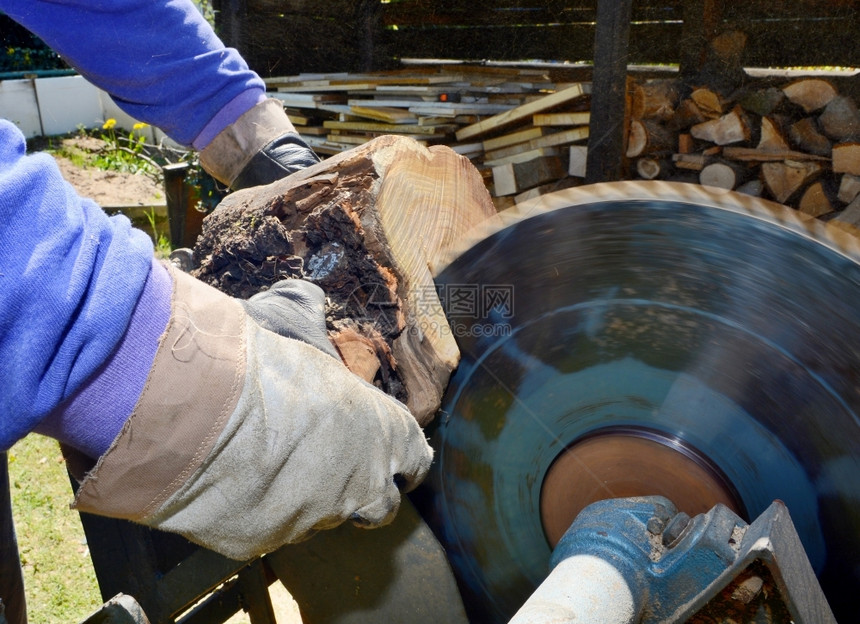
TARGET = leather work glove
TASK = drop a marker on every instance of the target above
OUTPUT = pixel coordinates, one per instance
(293, 308)
(260, 147)
(244, 439)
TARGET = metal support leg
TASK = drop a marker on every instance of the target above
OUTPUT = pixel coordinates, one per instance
(11, 579)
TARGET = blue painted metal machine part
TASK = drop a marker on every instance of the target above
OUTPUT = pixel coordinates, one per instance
(664, 566)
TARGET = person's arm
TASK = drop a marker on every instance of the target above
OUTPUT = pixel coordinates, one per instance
(162, 63)
(159, 60)
(232, 423)
(70, 280)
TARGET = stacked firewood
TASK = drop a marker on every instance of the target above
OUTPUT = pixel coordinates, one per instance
(797, 143)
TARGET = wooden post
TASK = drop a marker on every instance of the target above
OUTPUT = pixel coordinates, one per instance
(609, 92)
(228, 14)
(701, 21)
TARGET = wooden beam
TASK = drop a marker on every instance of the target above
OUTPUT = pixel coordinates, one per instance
(609, 99)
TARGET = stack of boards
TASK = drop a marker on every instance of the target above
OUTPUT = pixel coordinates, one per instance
(795, 141)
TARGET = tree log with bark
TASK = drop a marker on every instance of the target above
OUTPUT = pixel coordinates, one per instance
(365, 226)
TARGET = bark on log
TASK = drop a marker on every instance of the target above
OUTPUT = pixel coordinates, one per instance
(805, 136)
(365, 226)
(841, 119)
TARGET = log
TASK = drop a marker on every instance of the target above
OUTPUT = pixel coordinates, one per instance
(730, 128)
(690, 162)
(686, 143)
(652, 168)
(849, 188)
(811, 94)
(364, 225)
(726, 175)
(648, 136)
(655, 99)
(805, 136)
(846, 158)
(753, 154)
(708, 102)
(850, 215)
(785, 179)
(686, 115)
(771, 137)
(753, 187)
(762, 102)
(841, 119)
(815, 201)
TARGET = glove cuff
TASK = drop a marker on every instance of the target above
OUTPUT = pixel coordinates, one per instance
(232, 149)
(191, 391)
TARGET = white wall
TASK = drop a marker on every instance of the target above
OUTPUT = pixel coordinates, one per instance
(60, 105)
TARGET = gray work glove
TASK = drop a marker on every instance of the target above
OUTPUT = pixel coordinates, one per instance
(293, 308)
(260, 147)
(244, 440)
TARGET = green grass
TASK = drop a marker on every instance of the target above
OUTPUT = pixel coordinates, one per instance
(59, 579)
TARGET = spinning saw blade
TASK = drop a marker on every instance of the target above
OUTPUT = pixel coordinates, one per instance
(646, 338)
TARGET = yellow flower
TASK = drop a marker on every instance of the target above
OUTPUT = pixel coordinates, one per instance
(110, 123)
(139, 126)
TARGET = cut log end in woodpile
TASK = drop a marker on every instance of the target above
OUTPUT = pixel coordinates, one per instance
(365, 226)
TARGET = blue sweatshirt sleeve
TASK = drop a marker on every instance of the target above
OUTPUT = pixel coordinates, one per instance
(70, 278)
(159, 60)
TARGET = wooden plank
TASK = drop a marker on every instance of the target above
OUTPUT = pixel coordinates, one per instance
(753, 154)
(566, 137)
(304, 100)
(608, 105)
(525, 111)
(521, 136)
(512, 178)
(359, 126)
(562, 119)
(385, 114)
(525, 156)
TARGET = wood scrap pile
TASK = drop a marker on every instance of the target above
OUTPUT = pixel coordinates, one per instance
(495, 116)
(796, 142)
(338, 111)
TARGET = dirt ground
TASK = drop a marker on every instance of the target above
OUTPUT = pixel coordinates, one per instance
(108, 188)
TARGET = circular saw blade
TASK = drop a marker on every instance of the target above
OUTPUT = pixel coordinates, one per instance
(725, 325)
